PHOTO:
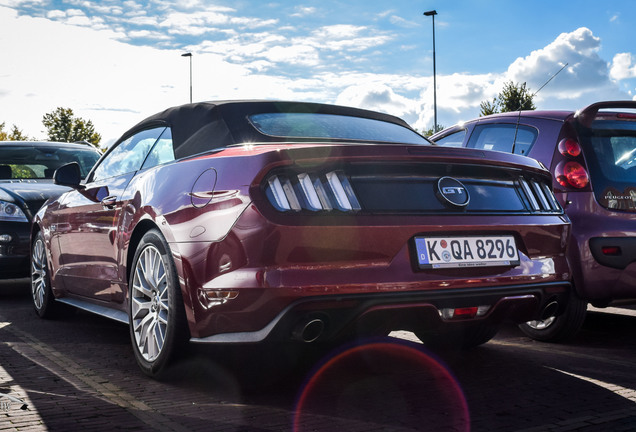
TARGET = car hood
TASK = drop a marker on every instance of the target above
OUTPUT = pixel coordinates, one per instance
(29, 195)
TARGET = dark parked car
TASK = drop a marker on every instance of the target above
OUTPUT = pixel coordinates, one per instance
(26, 182)
(592, 156)
(259, 221)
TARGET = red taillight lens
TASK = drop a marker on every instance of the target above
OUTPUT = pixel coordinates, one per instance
(467, 312)
(569, 147)
(611, 250)
(572, 174)
(464, 312)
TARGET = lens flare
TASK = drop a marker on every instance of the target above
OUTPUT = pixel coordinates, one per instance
(381, 385)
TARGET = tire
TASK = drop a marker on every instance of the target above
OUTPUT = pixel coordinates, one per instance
(559, 328)
(43, 300)
(158, 327)
(460, 336)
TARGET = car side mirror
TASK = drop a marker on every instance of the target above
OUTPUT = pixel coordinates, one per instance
(68, 175)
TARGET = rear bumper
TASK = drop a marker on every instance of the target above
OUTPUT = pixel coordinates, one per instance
(326, 318)
(608, 269)
(262, 279)
(601, 276)
(614, 252)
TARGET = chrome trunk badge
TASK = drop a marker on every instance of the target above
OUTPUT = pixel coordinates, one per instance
(451, 192)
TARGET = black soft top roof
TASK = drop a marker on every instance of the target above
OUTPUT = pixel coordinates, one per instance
(222, 123)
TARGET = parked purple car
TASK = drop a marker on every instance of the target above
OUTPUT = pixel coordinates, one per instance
(592, 156)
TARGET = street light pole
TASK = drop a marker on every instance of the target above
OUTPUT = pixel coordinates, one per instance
(432, 15)
(189, 55)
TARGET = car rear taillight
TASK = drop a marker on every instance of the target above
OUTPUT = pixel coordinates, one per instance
(571, 172)
(569, 147)
(540, 196)
(307, 191)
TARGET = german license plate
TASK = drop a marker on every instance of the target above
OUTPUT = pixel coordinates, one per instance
(469, 251)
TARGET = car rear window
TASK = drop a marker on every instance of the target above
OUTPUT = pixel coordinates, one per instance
(500, 137)
(456, 139)
(610, 151)
(333, 127)
(613, 144)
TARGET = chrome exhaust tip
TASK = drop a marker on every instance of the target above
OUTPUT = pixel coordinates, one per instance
(550, 310)
(308, 330)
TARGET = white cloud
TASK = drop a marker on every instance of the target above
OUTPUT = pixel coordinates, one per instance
(297, 54)
(302, 11)
(585, 80)
(378, 97)
(56, 14)
(585, 74)
(623, 67)
(401, 22)
(77, 17)
(147, 34)
(201, 22)
(278, 50)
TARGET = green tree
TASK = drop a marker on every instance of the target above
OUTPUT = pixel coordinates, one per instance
(62, 126)
(513, 97)
(487, 108)
(14, 135)
(430, 131)
(17, 135)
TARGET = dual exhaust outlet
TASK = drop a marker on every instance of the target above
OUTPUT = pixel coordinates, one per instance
(308, 330)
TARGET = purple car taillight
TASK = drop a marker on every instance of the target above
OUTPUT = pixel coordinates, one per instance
(571, 172)
(307, 191)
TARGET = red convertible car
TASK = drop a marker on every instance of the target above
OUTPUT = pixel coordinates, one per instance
(260, 221)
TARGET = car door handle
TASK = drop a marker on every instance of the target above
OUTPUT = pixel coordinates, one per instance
(109, 201)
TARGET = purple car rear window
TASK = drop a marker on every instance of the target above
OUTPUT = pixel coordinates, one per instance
(615, 154)
(333, 127)
(455, 139)
(610, 152)
(500, 137)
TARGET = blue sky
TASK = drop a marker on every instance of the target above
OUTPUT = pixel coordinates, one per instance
(117, 62)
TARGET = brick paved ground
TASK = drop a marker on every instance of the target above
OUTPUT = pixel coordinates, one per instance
(79, 373)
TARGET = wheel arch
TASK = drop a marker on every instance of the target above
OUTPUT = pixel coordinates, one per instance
(135, 238)
(138, 233)
(35, 229)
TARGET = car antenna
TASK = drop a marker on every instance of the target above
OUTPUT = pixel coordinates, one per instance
(514, 141)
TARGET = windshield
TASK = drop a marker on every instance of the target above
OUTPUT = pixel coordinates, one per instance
(333, 127)
(40, 162)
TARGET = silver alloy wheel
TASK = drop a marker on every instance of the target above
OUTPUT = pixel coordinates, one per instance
(541, 324)
(149, 307)
(38, 273)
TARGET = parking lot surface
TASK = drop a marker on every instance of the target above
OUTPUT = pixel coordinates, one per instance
(79, 373)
